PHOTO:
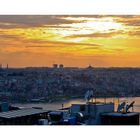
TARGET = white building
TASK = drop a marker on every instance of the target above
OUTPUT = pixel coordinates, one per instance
(92, 111)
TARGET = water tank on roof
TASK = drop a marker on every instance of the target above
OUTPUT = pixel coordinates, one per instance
(4, 106)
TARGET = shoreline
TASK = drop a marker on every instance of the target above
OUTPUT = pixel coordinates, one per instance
(63, 99)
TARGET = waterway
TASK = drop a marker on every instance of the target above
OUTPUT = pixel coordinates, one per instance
(67, 103)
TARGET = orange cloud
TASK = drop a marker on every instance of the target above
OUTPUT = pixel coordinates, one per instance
(73, 40)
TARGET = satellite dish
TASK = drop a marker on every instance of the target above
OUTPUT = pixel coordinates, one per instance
(121, 106)
(89, 95)
(129, 106)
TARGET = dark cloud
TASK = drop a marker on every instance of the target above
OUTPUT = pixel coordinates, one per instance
(129, 20)
(109, 34)
(58, 27)
(134, 22)
(24, 21)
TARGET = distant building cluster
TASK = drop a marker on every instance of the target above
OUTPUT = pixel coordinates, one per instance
(58, 66)
(59, 82)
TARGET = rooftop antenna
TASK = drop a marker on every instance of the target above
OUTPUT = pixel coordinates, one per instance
(121, 106)
(7, 66)
(129, 106)
(89, 96)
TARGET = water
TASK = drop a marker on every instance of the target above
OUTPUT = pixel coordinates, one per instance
(58, 105)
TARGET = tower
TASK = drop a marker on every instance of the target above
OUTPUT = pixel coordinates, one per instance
(7, 66)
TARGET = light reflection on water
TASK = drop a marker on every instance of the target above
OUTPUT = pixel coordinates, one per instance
(58, 105)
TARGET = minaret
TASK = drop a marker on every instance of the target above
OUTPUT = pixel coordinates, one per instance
(7, 66)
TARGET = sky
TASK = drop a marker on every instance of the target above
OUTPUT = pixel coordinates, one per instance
(72, 40)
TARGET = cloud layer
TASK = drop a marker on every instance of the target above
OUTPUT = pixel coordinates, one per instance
(84, 37)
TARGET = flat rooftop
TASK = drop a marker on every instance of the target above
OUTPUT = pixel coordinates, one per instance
(21, 113)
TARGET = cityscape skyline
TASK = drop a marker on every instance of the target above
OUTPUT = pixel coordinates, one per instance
(72, 40)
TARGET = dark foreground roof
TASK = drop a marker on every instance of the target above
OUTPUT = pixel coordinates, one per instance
(21, 113)
(119, 114)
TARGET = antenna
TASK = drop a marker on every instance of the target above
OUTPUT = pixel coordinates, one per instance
(121, 106)
(89, 95)
(7, 66)
(129, 106)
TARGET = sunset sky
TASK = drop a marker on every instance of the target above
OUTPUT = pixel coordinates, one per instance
(101, 41)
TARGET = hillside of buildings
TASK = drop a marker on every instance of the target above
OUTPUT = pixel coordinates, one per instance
(61, 83)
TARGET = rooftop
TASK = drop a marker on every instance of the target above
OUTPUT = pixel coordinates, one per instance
(21, 113)
(120, 114)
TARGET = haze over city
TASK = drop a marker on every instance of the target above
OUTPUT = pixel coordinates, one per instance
(73, 40)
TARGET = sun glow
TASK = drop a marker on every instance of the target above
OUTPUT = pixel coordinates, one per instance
(72, 38)
(92, 25)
